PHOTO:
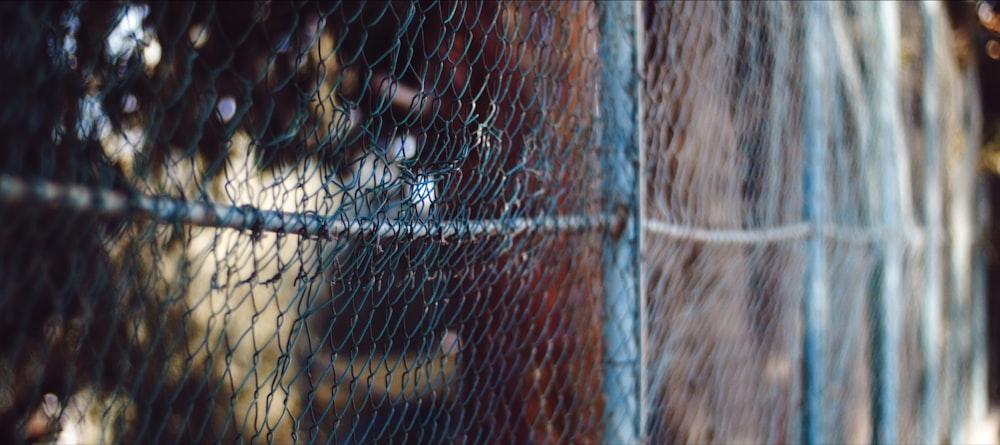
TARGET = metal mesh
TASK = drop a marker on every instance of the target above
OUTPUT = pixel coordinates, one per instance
(466, 222)
(808, 225)
(321, 222)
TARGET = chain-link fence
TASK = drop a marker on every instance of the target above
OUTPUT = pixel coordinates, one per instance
(811, 176)
(540, 222)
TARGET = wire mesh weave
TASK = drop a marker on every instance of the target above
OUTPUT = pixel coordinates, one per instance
(322, 222)
(385, 222)
(809, 171)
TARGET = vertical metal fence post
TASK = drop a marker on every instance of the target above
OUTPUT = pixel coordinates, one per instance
(624, 305)
(930, 317)
(894, 219)
(816, 143)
